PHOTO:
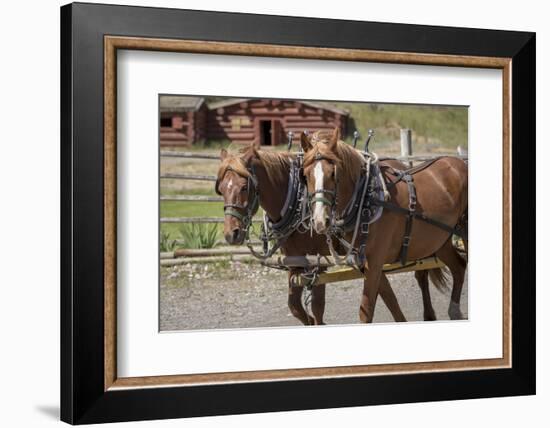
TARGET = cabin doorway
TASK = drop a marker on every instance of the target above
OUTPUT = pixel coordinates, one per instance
(270, 131)
(265, 132)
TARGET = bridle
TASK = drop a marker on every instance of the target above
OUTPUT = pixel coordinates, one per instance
(335, 229)
(319, 195)
(252, 200)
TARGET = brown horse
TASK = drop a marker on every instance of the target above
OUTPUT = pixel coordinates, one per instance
(271, 174)
(332, 168)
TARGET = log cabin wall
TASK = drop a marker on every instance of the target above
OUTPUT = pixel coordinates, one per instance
(183, 128)
(268, 121)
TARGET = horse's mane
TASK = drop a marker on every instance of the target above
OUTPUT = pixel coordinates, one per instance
(348, 159)
(276, 165)
(233, 163)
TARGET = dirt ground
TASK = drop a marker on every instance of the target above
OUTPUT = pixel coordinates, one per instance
(242, 295)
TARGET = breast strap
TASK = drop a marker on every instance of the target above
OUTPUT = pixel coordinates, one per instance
(292, 211)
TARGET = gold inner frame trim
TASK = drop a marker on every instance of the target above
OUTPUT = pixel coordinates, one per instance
(113, 43)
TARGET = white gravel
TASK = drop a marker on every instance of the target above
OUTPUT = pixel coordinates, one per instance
(240, 295)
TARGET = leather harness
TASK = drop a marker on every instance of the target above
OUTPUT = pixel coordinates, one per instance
(365, 209)
(410, 212)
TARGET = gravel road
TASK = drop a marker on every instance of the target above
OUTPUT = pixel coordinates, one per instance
(241, 295)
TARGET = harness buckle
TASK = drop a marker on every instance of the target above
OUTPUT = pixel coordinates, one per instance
(364, 228)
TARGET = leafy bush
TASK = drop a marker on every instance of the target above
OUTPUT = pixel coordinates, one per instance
(166, 244)
(199, 235)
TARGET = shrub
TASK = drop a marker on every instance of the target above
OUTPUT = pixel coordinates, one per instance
(166, 244)
(199, 235)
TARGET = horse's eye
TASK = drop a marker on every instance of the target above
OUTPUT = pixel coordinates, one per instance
(244, 189)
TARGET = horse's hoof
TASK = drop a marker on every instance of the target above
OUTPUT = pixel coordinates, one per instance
(454, 311)
(430, 317)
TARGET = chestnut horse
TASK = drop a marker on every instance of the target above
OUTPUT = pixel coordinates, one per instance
(332, 167)
(271, 173)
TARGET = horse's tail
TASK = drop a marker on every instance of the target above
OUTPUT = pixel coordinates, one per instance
(439, 279)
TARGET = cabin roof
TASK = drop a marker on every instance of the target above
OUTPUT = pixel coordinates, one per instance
(178, 103)
(233, 101)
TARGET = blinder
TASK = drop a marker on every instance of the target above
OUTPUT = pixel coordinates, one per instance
(252, 201)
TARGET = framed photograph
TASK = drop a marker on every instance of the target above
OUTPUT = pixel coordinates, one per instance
(238, 190)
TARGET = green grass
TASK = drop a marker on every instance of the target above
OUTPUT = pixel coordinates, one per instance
(204, 145)
(434, 127)
(206, 191)
(188, 209)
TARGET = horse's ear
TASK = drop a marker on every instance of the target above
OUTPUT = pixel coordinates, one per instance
(250, 153)
(223, 154)
(335, 138)
(305, 142)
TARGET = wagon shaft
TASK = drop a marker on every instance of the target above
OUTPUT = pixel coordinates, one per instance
(349, 273)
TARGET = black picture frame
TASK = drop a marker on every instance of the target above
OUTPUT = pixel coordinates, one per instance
(83, 398)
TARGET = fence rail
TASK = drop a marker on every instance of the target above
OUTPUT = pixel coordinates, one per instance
(192, 198)
(405, 156)
(426, 157)
(174, 154)
(204, 252)
(199, 220)
(189, 177)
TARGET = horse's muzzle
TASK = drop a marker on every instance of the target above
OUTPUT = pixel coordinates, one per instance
(235, 237)
(321, 225)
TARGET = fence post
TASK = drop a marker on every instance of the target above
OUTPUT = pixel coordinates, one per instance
(460, 151)
(406, 144)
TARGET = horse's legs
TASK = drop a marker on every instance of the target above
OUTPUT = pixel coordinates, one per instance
(318, 303)
(457, 266)
(422, 279)
(370, 292)
(295, 302)
(389, 298)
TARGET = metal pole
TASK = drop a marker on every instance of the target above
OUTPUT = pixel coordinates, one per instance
(289, 135)
(355, 138)
(406, 144)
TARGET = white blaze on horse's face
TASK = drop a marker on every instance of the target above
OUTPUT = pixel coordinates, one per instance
(319, 209)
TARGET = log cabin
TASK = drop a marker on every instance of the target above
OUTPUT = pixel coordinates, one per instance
(185, 120)
(182, 120)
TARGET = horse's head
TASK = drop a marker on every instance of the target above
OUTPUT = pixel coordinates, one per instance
(237, 184)
(321, 164)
